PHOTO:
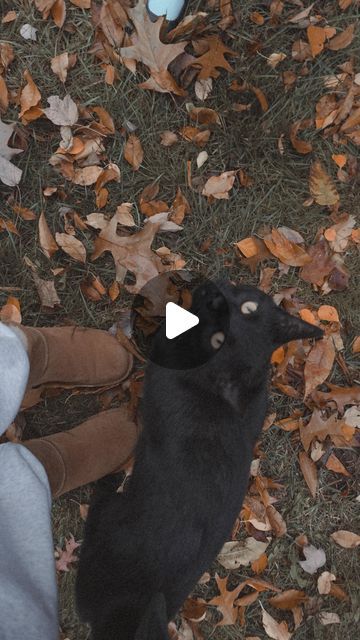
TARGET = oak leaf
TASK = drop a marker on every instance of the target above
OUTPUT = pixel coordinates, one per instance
(133, 253)
(151, 51)
(213, 58)
(66, 556)
(339, 432)
(225, 601)
(322, 187)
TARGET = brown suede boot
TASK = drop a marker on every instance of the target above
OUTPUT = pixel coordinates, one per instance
(99, 446)
(74, 356)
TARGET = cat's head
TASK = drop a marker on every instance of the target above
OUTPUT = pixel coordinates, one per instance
(238, 325)
(244, 323)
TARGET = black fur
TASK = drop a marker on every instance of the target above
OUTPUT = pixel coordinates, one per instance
(145, 549)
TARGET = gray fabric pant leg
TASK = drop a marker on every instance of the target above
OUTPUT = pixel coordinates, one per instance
(28, 591)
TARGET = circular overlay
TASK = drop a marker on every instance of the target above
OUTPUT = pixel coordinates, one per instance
(192, 347)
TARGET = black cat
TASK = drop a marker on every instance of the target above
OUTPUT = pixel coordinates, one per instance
(145, 549)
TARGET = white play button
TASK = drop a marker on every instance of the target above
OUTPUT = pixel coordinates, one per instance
(178, 320)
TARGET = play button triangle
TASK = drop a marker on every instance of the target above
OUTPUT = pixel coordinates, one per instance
(178, 320)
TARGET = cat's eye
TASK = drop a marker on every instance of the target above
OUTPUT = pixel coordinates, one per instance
(249, 307)
(217, 339)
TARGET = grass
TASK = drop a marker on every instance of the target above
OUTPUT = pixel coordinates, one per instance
(247, 140)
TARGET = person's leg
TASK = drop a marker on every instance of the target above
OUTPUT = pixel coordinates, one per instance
(28, 592)
(101, 445)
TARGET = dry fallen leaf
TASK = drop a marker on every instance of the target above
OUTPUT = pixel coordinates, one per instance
(148, 48)
(62, 112)
(72, 246)
(234, 554)
(327, 617)
(324, 582)
(30, 96)
(9, 173)
(346, 539)
(301, 146)
(319, 363)
(309, 471)
(317, 37)
(315, 558)
(340, 433)
(288, 599)
(168, 138)
(46, 239)
(213, 58)
(62, 63)
(225, 601)
(66, 556)
(218, 187)
(133, 152)
(274, 629)
(322, 187)
(342, 40)
(28, 32)
(286, 250)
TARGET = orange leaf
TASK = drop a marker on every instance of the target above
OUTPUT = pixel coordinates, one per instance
(10, 312)
(204, 115)
(316, 37)
(340, 159)
(301, 146)
(285, 250)
(58, 12)
(257, 18)
(326, 312)
(308, 316)
(278, 355)
(333, 463)
(213, 59)
(259, 565)
(133, 152)
(248, 247)
(318, 364)
(30, 95)
(356, 345)
(342, 40)
(114, 291)
(46, 239)
(309, 471)
(288, 599)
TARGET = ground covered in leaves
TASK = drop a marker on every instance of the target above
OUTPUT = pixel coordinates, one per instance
(231, 150)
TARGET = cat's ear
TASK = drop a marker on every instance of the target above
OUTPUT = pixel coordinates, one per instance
(286, 327)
